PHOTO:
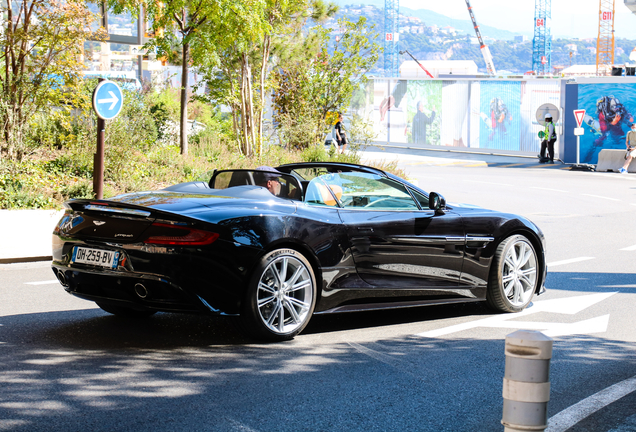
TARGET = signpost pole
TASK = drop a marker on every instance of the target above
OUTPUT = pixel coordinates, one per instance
(108, 100)
(98, 161)
(579, 114)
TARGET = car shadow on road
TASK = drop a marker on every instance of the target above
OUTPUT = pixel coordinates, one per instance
(382, 318)
(95, 329)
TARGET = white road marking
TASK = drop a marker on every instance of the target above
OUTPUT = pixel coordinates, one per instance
(569, 261)
(492, 183)
(48, 282)
(570, 416)
(565, 305)
(629, 248)
(591, 326)
(554, 215)
(603, 197)
(386, 359)
(548, 189)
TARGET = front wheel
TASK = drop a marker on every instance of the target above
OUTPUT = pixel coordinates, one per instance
(513, 275)
(281, 296)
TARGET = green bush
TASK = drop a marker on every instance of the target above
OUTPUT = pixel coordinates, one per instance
(315, 153)
(59, 146)
(75, 163)
(24, 191)
(78, 189)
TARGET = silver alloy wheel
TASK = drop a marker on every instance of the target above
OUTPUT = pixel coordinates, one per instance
(285, 294)
(519, 273)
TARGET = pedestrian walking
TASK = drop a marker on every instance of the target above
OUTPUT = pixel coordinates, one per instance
(341, 136)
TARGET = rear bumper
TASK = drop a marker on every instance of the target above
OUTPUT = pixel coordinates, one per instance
(147, 277)
(135, 291)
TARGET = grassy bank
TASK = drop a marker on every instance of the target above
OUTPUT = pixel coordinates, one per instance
(56, 151)
(48, 177)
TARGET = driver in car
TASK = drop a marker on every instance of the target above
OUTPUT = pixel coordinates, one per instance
(268, 177)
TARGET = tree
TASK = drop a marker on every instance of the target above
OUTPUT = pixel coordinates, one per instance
(239, 79)
(179, 22)
(313, 90)
(41, 61)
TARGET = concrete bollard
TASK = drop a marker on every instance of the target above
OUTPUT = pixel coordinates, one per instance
(526, 384)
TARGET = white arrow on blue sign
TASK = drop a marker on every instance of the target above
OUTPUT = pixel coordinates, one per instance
(108, 100)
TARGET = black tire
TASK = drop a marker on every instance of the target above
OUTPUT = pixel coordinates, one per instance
(277, 308)
(513, 279)
(125, 312)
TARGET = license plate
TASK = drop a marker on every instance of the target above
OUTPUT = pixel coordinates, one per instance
(96, 257)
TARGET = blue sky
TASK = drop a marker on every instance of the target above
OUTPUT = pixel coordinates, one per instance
(570, 18)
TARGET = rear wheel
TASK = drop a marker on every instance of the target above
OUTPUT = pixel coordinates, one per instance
(125, 312)
(513, 275)
(281, 296)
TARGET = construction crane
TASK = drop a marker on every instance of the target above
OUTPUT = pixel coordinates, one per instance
(418, 63)
(542, 41)
(391, 37)
(605, 40)
(490, 66)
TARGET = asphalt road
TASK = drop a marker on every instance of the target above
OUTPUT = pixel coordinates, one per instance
(67, 366)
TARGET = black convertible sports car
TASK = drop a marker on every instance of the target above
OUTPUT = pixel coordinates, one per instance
(275, 246)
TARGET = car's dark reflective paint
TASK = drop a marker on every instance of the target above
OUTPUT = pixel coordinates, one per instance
(344, 238)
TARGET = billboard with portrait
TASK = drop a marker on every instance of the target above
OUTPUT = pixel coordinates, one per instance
(423, 112)
(500, 115)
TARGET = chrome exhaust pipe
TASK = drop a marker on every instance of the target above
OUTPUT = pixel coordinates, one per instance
(60, 277)
(141, 291)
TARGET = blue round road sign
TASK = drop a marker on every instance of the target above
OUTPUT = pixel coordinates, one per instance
(107, 100)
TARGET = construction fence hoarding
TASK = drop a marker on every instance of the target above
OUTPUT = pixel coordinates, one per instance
(500, 115)
(462, 113)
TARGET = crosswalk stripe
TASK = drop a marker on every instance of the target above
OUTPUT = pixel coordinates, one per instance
(569, 261)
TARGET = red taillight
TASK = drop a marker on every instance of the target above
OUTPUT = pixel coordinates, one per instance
(182, 236)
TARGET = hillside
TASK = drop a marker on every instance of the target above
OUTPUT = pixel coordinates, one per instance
(465, 26)
(431, 40)
(433, 18)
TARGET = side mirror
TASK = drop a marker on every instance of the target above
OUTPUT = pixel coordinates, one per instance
(436, 202)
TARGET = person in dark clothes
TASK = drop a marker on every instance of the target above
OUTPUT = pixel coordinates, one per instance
(268, 177)
(549, 138)
(341, 136)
